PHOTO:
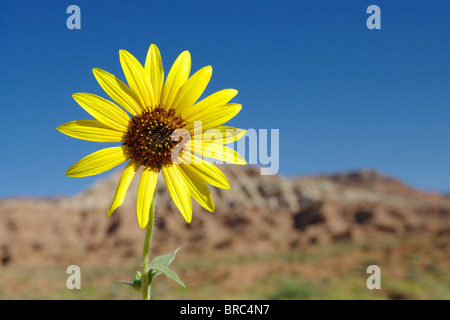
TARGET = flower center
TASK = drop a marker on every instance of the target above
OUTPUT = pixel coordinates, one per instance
(148, 138)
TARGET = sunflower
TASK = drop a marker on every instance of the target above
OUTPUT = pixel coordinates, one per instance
(153, 111)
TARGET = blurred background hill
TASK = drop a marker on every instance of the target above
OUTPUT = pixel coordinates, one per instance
(271, 237)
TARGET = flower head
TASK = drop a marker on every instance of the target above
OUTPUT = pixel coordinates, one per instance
(148, 126)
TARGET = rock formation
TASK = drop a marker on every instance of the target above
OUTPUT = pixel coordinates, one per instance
(258, 214)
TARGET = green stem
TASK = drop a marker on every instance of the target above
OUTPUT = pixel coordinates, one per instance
(145, 281)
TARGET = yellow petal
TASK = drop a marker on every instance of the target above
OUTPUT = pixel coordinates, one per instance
(145, 193)
(103, 110)
(154, 68)
(178, 190)
(198, 189)
(192, 90)
(215, 151)
(177, 76)
(122, 187)
(137, 78)
(118, 91)
(205, 170)
(97, 162)
(221, 135)
(91, 130)
(201, 108)
(216, 116)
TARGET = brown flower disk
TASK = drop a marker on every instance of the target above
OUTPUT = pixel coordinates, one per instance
(148, 137)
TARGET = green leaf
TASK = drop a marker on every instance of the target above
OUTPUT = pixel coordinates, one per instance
(161, 269)
(136, 284)
(164, 260)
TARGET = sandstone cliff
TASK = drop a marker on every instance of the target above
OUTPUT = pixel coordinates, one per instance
(258, 214)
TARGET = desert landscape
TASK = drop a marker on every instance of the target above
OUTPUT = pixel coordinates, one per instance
(271, 237)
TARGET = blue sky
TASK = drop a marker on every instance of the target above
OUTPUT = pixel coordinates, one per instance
(343, 97)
